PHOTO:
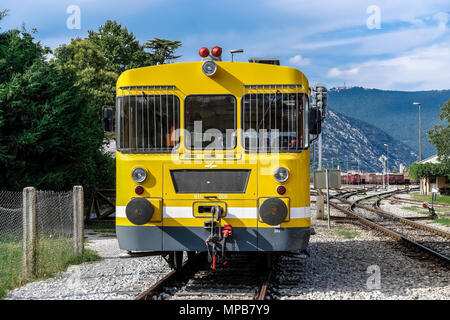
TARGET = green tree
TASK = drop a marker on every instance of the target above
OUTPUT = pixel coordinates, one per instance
(3, 14)
(120, 48)
(439, 136)
(89, 63)
(426, 170)
(48, 138)
(162, 50)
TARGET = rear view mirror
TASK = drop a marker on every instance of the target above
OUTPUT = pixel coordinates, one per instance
(315, 121)
(107, 119)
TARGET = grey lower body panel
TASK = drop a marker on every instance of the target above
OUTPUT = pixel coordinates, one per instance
(145, 238)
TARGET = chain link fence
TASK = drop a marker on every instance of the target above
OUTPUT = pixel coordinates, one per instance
(46, 221)
(54, 230)
(11, 235)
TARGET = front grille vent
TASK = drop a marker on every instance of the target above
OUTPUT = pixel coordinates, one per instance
(210, 181)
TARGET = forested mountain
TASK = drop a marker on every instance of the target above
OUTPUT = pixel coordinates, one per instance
(392, 111)
(354, 144)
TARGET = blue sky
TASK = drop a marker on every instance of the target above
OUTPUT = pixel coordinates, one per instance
(333, 42)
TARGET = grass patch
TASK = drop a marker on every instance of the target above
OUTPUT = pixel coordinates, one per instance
(106, 229)
(416, 209)
(10, 266)
(347, 233)
(425, 211)
(54, 254)
(427, 198)
(443, 220)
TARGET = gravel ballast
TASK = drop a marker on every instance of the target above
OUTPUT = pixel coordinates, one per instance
(341, 265)
(341, 268)
(117, 276)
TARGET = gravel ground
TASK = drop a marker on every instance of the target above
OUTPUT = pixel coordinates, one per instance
(338, 268)
(396, 208)
(117, 276)
(341, 268)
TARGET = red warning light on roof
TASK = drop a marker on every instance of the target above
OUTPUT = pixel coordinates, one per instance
(203, 52)
(216, 51)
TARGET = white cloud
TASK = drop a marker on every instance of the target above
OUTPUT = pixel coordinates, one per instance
(337, 73)
(299, 61)
(325, 15)
(380, 42)
(422, 69)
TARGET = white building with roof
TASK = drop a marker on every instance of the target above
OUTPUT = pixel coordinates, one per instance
(433, 184)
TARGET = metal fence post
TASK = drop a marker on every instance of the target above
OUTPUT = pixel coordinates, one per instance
(78, 223)
(328, 198)
(29, 232)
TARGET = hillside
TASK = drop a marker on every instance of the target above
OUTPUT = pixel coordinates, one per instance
(392, 111)
(347, 140)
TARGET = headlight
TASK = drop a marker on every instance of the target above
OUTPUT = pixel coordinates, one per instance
(281, 174)
(139, 175)
(209, 68)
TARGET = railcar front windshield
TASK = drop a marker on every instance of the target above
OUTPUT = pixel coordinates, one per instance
(147, 122)
(210, 122)
(274, 122)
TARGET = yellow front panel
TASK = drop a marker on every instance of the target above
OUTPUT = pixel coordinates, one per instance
(297, 186)
(180, 213)
(250, 192)
(230, 78)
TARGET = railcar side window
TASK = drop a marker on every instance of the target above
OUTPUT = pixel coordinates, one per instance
(148, 120)
(210, 122)
(273, 121)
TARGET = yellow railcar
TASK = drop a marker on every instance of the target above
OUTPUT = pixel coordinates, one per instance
(213, 156)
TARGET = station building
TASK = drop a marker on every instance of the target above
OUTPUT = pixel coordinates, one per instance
(439, 183)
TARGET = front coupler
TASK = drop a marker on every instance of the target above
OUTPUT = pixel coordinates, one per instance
(217, 237)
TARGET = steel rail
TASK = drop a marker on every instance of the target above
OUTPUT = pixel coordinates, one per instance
(393, 234)
(399, 237)
(265, 285)
(156, 288)
(189, 269)
(406, 221)
(189, 266)
(443, 205)
(416, 225)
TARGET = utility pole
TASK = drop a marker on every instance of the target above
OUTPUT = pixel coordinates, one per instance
(382, 159)
(320, 152)
(420, 132)
(328, 199)
(320, 102)
(387, 164)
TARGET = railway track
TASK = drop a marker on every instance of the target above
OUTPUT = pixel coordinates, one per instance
(242, 278)
(433, 242)
(413, 201)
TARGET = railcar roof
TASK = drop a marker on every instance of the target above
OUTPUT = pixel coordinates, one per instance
(230, 77)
